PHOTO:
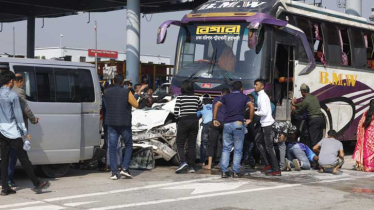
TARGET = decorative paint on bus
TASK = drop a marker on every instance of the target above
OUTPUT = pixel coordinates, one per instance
(337, 79)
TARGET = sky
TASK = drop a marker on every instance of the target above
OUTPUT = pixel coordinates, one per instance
(111, 31)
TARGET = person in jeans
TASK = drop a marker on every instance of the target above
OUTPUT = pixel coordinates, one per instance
(282, 130)
(234, 127)
(12, 130)
(331, 154)
(27, 115)
(119, 102)
(186, 107)
(207, 115)
(299, 156)
(215, 133)
(265, 135)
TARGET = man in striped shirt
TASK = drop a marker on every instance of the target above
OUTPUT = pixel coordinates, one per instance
(185, 111)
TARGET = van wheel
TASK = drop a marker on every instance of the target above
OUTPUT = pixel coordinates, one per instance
(55, 170)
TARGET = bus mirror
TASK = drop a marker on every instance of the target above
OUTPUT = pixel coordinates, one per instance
(162, 30)
(252, 38)
(254, 29)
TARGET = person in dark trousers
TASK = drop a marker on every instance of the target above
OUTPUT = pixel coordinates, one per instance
(215, 132)
(315, 121)
(248, 150)
(206, 114)
(12, 130)
(186, 107)
(265, 135)
(233, 128)
(118, 103)
(27, 115)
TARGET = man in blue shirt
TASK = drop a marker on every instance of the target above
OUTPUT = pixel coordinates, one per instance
(234, 127)
(215, 132)
(207, 115)
(12, 130)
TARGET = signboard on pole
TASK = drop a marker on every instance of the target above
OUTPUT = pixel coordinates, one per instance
(103, 53)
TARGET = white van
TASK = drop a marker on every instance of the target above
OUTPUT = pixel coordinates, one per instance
(66, 97)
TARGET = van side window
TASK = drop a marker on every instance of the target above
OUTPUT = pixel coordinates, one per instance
(66, 88)
(74, 85)
(86, 85)
(28, 73)
(358, 48)
(333, 44)
(369, 42)
(45, 84)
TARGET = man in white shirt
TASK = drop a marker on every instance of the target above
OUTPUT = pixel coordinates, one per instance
(266, 134)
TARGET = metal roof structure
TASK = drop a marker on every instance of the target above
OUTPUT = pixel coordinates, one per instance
(18, 10)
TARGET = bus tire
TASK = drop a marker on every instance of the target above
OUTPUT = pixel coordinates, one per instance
(54, 170)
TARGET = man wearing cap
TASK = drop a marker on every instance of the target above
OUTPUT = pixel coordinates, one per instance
(310, 104)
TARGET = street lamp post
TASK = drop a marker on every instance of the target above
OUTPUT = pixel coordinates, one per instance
(14, 42)
(96, 45)
(61, 45)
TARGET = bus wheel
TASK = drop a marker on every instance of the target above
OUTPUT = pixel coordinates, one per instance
(54, 170)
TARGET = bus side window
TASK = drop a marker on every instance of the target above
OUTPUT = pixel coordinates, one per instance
(45, 84)
(345, 47)
(332, 45)
(306, 27)
(358, 48)
(369, 43)
(28, 73)
(319, 52)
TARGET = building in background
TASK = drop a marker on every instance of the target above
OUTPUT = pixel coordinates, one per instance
(88, 55)
(154, 70)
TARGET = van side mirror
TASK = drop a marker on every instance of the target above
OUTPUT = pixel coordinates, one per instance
(254, 29)
(162, 30)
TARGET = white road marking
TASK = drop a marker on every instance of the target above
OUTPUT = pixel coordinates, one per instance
(194, 197)
(79, 203)
(129, 189)
(200, 188)
(48, 207)
(20, 204)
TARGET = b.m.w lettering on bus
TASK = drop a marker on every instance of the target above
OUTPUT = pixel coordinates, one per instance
(337, 79)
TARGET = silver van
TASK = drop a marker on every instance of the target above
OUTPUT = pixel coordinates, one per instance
(66, 97)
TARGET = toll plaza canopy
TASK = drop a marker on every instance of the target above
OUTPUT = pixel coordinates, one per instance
(17, 10)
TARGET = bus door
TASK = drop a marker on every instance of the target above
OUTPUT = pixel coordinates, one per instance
(283, 80)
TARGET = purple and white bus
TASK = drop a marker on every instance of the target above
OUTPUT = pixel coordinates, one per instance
(285, 42)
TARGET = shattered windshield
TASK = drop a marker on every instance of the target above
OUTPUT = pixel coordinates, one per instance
(218, 51)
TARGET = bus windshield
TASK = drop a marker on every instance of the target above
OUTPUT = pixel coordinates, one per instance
(217, 51)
